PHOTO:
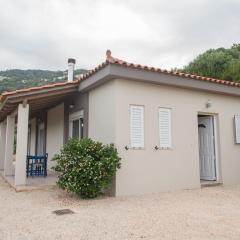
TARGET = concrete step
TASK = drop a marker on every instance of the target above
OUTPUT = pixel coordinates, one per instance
(210, 183)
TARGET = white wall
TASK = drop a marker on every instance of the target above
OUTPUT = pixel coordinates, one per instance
(102, 113)
(102, 118)
(55, 132)
(148, 170)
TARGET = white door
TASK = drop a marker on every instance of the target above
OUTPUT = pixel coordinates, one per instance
(206, 148)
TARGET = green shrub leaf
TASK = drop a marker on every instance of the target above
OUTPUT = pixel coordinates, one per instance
(86, 167)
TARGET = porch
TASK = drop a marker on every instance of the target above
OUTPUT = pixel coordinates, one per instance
(32, 183)
(32, 123)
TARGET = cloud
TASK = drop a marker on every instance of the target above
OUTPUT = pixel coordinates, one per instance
(42, 34)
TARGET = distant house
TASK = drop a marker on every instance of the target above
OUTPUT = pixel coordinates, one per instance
(172, 130)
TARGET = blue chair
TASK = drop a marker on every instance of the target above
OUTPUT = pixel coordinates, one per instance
(37, 165)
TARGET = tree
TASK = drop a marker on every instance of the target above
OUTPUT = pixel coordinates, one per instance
(217, 63)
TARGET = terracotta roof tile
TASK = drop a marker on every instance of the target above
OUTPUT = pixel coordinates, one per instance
(116, 61)
(32, 89)
(120, 62)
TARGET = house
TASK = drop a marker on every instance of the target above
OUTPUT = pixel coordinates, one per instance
(173, 130)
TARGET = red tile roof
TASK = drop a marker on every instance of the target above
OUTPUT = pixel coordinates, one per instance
(33, 89)
(116, 61)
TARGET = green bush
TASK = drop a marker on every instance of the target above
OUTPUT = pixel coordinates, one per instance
(86, 167)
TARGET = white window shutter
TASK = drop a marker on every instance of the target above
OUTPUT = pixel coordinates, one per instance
(237, 128)
(137, 126)
(165, 127)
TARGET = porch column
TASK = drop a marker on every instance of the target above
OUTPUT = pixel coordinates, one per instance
(2, 144)
(8, 161)
(22, 141)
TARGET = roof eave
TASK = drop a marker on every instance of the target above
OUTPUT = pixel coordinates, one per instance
(30, 95)
(116, 71)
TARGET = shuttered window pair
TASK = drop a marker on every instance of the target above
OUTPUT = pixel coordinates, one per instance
(137, 127)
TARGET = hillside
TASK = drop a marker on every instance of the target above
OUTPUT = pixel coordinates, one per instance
(222, 63)
(15, 79)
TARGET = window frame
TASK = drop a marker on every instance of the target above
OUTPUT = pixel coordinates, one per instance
(73, 117)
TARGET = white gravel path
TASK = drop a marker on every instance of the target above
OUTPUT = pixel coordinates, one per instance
(208, 213)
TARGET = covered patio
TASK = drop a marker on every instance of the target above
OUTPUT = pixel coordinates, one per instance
(20, 111)
(32, 183)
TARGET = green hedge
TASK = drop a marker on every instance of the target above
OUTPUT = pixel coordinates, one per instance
(86, 167)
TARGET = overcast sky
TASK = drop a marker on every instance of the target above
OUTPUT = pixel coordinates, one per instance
(42, 34)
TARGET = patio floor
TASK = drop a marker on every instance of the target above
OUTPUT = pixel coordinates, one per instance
(33, 183)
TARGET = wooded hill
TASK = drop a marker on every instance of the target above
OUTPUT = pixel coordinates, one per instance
(221, 63)
(15, 79)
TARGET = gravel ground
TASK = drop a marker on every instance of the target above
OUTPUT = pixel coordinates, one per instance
(208, 213)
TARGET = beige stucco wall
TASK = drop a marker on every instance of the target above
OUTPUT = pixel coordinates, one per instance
(148, 170)
(102, 113)
(102, 118)
(152, 171)
(55, 132)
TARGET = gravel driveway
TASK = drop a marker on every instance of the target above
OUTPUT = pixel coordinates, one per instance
(208, 213)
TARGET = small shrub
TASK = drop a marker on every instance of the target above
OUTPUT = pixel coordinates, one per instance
(86, 167)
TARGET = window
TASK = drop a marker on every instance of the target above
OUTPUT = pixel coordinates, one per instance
(137, 126)
(41, 139)
(165, 127)
(76, 125)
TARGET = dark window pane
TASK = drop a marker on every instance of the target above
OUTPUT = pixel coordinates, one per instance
(75, 129)
(81, 125)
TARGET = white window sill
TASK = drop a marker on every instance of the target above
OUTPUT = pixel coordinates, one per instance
(137, 148)
(165, 148)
